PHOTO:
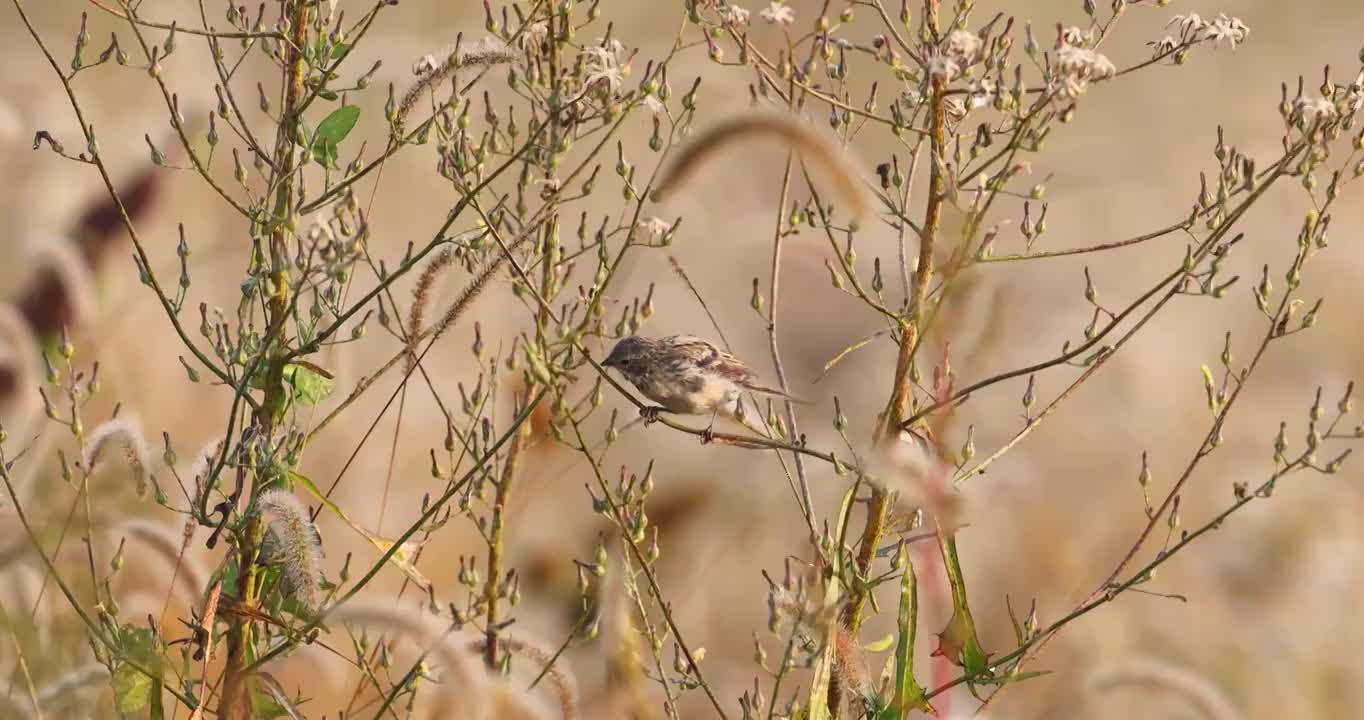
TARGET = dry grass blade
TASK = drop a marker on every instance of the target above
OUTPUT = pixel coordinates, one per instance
(818, 146)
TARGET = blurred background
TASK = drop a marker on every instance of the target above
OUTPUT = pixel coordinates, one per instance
(1269, 618)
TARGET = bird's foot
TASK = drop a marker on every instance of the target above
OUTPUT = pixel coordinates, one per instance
(708, 436)
(649, 414)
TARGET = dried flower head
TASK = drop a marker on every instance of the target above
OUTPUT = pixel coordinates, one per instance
(1227, 29)
(1315, 109)
(292, 541)
(734, 15)
(1076, 66)
(126, 433)
(203, 461)
(563, 684)
(654, 227)
(431, 70)
(778, 12)
(606, 61)
(817, 146)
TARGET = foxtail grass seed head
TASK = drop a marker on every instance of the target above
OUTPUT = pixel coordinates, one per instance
(122, 435)
(293, 542)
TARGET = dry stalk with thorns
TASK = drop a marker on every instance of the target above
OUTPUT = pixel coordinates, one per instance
(967, 108)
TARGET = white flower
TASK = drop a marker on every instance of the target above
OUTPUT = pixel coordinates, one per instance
(1188, 24)
(963, 46)
(1092, 64)
(655, 227)
(1075, 36)
(1354, 95)
(1166, 45)
(778, 12)
(654, 104)
(961, 50)
(604, 63)
(940, 65)
(1230, 29)
(734, 15)
(1076, 66)
(1315, 108)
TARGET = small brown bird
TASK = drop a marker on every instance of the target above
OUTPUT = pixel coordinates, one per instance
(685, 374)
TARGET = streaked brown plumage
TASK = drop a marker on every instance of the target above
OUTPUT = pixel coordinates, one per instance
(684, 374)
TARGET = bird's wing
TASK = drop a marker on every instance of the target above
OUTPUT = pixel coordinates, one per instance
(713, 359)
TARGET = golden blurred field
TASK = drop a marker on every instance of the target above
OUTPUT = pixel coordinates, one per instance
(1271, 616)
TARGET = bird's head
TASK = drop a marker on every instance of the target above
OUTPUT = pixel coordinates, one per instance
(630, 355)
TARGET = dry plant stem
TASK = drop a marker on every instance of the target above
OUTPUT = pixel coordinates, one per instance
(902, 390)
(183, 29)
(645, 568)
(435, 507)
(95, 158)
(496, 548)
(225, 79)
(1110, 588)
(412, 672)
(96, 631)
(172, 107)
(1076, 351)
(235, 703)
(23, 662)
(1136, 240)
(806, 501)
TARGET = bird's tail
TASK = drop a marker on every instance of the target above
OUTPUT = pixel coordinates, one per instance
(773, 391)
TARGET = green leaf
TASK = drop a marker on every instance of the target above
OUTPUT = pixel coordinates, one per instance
(958, 641)
(138, 644)
(339, 50)
(282, 704)
(230, 579)
(333, 129)
(309, 385)
(265, 707)
(878, 646)
(818, 706)
(158, 711)
(132, 689)
(909, 695)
